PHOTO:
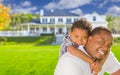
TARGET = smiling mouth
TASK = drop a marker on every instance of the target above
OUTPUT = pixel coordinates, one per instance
(101, 52)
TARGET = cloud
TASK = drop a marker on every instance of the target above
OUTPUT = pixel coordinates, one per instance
(66, 4)
(106, 1)
(114, 10)
(1, 1)
(38, 12)
(51, 5)
(25, 8)
(115, 0)
(26, 3)
(102, 4)
(77, 11)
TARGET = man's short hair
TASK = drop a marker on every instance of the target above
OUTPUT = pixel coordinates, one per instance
(82, 24)
(97, 30)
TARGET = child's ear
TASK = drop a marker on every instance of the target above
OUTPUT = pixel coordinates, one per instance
(70, 33)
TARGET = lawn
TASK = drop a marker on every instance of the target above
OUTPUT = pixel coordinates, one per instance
(32, 60)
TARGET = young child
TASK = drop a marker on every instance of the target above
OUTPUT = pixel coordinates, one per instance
(78, 35)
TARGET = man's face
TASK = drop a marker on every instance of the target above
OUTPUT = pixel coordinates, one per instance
(99, 45)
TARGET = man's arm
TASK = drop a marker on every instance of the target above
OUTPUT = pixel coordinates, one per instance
(116, 73)
(112, 65)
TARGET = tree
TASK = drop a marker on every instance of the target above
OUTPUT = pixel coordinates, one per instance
(113, 23)
(110, 19)
(17, 19)
(116, 24)
(4, 17)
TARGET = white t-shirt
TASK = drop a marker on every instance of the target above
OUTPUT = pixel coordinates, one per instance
(72, 65)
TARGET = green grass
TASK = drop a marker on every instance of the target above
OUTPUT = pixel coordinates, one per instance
(32, 60)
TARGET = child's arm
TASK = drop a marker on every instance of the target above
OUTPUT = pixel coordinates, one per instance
(80, 54)
(95, 66)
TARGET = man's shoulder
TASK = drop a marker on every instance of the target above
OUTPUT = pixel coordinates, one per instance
(70, 57)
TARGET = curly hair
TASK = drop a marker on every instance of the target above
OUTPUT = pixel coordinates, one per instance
(82, 24)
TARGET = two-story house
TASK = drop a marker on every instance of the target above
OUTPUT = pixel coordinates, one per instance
(60, 22)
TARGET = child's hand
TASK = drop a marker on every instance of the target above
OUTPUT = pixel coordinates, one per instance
(95, 67)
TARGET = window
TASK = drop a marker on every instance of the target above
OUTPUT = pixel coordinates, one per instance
(37, 29)
(51, 29)
(44, 20)
(94, 18)
(60, 20)
(68, 29)
(75, 19)
(52, 20)
(31, 29)
(44, 29)
(68, 20)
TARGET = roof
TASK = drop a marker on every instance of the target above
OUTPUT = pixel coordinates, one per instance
(35, 21)
(59, 13)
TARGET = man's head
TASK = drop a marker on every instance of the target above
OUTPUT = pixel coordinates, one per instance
(80, 31)
(99, 43)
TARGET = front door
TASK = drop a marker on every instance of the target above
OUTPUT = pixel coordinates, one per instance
(60, 31)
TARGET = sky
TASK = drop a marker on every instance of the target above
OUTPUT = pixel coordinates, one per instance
(80, 7)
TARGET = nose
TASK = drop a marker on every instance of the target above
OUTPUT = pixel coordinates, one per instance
(83, 41)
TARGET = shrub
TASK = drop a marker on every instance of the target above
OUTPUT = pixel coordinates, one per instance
(117, 39)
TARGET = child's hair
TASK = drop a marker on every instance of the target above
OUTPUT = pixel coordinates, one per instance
(82, 24)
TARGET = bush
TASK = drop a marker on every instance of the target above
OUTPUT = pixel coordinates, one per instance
(35, 40)
(2, 40)
(117, 39)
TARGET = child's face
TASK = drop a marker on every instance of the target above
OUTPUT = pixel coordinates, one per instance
(79, 36)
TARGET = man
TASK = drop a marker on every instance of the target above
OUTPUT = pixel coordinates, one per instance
(98, 46)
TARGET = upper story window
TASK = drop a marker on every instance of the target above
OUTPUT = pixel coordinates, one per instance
(52, 20)
(60, 20)
(68, 20)
(44, 20)
(94, 18)
(75, 19)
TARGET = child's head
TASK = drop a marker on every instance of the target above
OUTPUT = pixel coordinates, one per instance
(80, 31)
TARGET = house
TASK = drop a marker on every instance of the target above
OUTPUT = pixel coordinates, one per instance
(59, 22)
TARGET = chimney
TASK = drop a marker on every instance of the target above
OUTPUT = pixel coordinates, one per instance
(41, 12)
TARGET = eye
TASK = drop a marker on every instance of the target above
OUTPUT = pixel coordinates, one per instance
(85, 37)
(76, 36)
(101, 42)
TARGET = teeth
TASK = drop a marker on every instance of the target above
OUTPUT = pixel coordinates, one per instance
(101, 52)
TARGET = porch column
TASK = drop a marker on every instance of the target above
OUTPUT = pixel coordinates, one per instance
(35, 29)
(65, 29)
(39, 29)
(55, 29)
(48, 29)
(28, 27)
(21, 27)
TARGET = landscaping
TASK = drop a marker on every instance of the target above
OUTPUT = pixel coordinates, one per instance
(32, 55)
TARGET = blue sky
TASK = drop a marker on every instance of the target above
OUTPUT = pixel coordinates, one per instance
(75, 6)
